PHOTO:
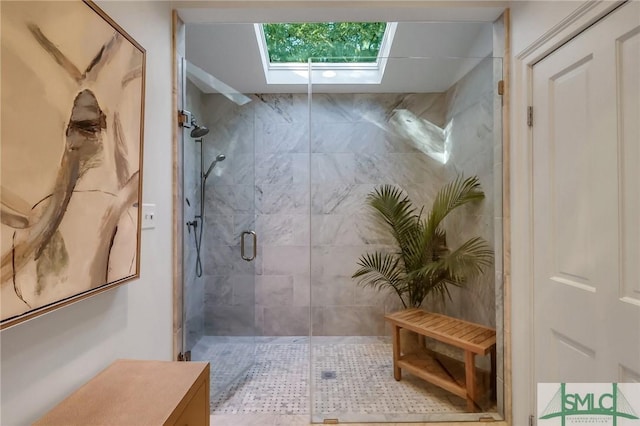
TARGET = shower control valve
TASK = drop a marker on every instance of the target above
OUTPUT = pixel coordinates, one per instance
(192, 223)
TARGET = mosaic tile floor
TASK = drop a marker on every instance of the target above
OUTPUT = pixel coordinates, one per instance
(352, 380)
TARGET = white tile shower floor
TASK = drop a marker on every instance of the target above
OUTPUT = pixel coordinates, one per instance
(352, 381)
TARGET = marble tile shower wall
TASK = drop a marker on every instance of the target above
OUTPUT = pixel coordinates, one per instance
(303, 202)
(229, 281)
(476, 150)
(358, 144)
(193, 286)
(283, 206)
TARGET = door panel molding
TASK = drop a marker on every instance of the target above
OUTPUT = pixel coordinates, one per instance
(573, 344)
(629, 158)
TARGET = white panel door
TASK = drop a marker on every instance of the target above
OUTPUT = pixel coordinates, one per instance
(586, 214)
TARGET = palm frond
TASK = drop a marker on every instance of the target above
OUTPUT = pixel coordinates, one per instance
(459, 265)
(380, 271)
(395, 208)
(398, 213)
(453, 195)
(469, 259)
(423, 266)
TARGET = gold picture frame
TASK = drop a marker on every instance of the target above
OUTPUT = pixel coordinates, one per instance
(71, 151)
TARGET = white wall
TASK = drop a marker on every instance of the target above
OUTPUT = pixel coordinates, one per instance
(45, 359)
(531, 19)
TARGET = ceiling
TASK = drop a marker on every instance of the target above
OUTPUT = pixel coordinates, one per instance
(227, 48)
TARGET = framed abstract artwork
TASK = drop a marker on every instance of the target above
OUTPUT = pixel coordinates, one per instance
(72, 113)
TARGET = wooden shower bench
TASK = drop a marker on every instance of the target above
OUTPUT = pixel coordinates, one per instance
(474, 339)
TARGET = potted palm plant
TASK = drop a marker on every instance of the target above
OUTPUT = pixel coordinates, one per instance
(423, 265)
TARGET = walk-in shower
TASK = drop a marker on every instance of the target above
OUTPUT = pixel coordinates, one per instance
(291, 334)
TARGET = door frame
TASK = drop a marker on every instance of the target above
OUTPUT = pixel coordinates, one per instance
(521, 301)
(177, 50)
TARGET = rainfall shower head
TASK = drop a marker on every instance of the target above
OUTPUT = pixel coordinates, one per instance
(199, 131)
(219, 158)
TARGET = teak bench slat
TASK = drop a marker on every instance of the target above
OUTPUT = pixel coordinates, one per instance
(474, 339)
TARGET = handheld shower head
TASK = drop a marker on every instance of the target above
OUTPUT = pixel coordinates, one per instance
(219, 158)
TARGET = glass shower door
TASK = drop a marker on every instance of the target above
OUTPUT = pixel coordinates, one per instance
(416, 136)
(219, 214)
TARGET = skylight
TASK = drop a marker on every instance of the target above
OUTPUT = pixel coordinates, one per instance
(341, 52)
(334, 42)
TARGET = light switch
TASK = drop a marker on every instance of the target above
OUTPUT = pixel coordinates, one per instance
(148, 216)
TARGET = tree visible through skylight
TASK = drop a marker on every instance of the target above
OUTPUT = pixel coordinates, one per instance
(335, 42)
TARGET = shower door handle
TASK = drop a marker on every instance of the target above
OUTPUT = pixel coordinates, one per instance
(255, 245)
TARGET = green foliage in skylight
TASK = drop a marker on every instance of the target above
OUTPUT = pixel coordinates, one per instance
(324, 41)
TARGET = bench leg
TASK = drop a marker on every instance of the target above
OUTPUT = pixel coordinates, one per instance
(397, 374)
(470, 373)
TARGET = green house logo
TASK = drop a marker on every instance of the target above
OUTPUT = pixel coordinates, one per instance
(580, 407)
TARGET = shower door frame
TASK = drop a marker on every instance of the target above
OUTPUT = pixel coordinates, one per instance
(178, 48)
(177, 55)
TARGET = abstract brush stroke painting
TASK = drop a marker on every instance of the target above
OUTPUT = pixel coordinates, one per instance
(72, 85)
